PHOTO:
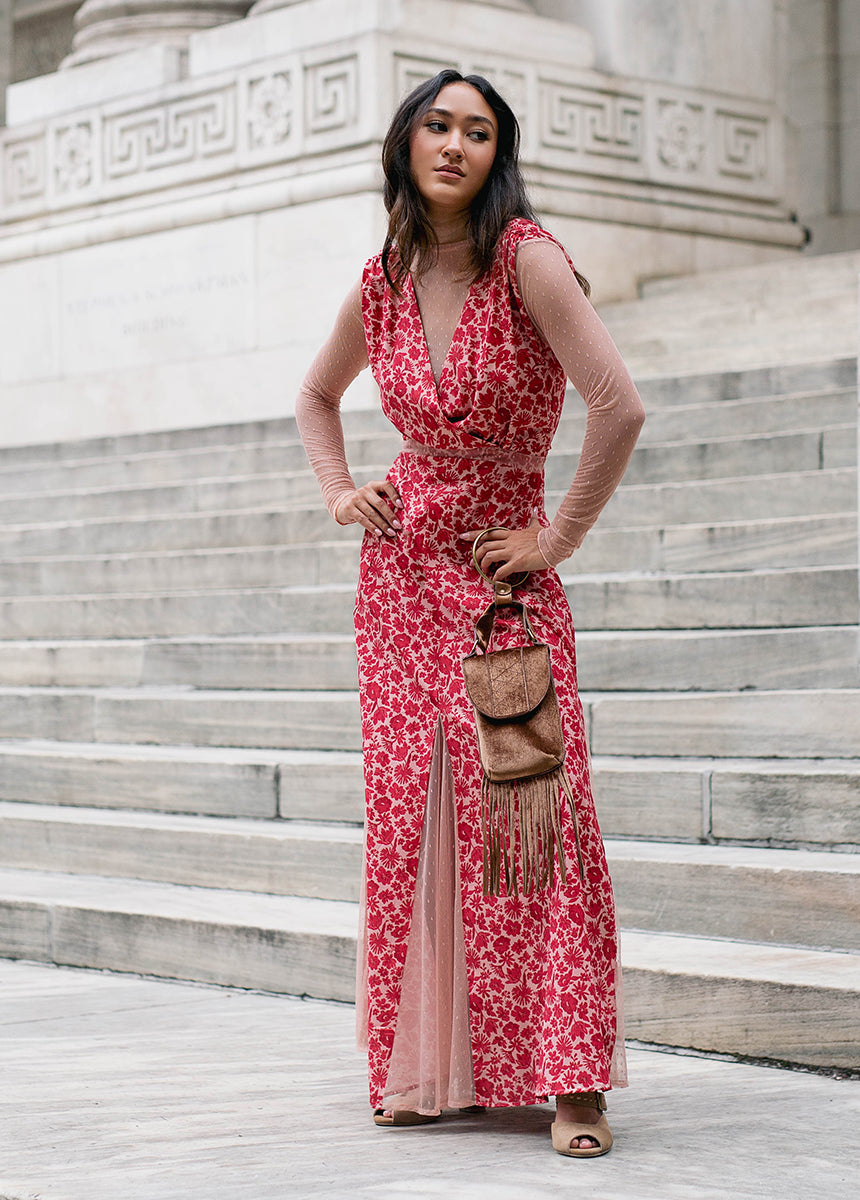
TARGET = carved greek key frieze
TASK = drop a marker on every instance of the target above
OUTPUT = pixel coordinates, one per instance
(742, 145)
(165, 135)
(24, 175)
(681, 134)
(270, 109)
(409, 72)
(73, 157)
(331, 95)
(591, 123)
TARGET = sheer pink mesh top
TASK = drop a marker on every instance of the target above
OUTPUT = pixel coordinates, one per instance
(566, 321)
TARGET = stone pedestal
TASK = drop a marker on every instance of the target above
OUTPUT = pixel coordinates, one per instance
(107, 27)
(179, 228)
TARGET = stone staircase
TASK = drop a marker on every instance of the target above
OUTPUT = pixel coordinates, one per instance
(180, 775)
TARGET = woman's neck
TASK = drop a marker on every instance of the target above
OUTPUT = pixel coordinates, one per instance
(450, 229)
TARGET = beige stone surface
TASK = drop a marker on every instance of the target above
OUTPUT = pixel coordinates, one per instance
(156, 1091)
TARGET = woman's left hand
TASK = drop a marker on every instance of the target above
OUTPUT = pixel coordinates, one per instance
(509, 550)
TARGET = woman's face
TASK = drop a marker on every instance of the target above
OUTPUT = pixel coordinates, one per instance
(452, 148)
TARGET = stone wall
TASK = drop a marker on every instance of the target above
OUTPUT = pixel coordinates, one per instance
(178, 223)
(824, 110)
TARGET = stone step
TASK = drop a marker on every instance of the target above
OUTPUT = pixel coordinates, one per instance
(788, 803)
(750, 416)
(307, 661)
(715, 660)
(283, 858)
(681, 423)
(198, 495)
(716, 891)
(819, 723)
(786, 542)
(823, 723)
(717, 600)
(785, 378)
(288, 720)
(776, 802)
(210, 781)
(790, 1005)
(711, 501)
(710, 891)
(747, 316)
(243, 939)
(620, 660)
(806, 450)
(708, 387)
(184, 570)
(767, 1002)
(766, 497)
(187, 465)
(266, 526)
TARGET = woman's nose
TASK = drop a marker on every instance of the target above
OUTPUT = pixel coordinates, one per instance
(454, 146)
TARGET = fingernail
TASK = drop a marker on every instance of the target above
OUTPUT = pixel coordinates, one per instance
(391, 532)
(464, 537)
(399, 503)
(396, 525)
(377, 533)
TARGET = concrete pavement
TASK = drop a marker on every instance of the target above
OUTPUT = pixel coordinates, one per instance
(115, 1087)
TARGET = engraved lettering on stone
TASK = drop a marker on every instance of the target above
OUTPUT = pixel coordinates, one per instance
(270, 110)
(73, 158)
(592, 123)
(178, 132)
(331, 95)
(742, 145)
(24, 169)
(680, 135)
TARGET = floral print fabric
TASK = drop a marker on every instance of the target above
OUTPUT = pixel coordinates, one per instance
(541, 967)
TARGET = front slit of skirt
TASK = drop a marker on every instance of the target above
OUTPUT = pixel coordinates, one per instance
(431, 1058)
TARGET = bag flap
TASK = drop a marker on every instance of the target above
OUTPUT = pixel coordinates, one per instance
(508, 683)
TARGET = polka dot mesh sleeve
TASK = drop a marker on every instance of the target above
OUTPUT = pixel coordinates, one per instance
(580, 341)
(318, 403)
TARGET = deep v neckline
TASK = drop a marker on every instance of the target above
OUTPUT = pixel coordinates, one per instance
(428, 363)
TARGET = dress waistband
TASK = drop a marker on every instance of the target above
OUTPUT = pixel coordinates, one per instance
(511, 458)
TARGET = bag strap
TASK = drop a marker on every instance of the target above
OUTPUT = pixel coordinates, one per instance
(484, 626)
(502, 597)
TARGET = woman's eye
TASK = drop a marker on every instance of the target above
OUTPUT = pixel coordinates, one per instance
(480, 135)
(437, 126)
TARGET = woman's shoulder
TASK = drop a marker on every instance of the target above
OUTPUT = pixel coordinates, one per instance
(521, 229)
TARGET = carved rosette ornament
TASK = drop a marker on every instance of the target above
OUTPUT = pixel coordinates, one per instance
(270, 111)
(73, 156)
(680, 135)
(106, 27)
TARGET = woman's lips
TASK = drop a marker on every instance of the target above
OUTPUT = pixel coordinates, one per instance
(453, 172)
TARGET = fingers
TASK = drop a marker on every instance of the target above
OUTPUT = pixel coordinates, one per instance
(374, 506)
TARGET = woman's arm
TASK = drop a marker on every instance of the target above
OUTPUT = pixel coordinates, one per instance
(341, 358)
(374, 504)
(580, 341)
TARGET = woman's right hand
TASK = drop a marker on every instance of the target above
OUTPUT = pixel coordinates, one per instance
(374, 506)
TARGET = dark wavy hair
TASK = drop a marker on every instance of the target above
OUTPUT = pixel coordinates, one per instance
(411, 239)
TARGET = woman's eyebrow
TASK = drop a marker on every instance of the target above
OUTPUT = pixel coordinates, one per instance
(445, 112)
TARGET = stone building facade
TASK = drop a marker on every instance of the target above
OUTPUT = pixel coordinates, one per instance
(188, 187)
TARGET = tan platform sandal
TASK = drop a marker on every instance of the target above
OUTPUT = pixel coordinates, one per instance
(402, 1116)
(563, 1132)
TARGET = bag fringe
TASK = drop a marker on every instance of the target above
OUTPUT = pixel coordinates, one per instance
(538, 832)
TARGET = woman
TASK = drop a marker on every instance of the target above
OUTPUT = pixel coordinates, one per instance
(470, 318)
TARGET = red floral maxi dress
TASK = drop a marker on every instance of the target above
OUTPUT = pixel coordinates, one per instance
(466, 998)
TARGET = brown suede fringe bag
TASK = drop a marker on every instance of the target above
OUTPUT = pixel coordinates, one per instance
(522, 751)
